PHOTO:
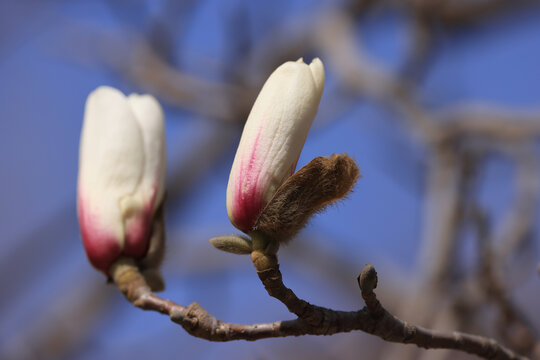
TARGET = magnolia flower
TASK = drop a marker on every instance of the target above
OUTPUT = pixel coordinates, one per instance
(121, 175)
(273, 137)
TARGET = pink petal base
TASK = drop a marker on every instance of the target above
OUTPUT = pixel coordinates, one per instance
(102, 248)
(246, 211)
(138, 232)
(248, 192)
(249, 198)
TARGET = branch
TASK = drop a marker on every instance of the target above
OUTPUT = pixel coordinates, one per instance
(313, 320)
(520, 219)
(514, 326)
(132, 56)
(451, 12)
(372, 319)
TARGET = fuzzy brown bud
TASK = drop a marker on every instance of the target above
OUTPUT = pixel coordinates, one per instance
(323, 181)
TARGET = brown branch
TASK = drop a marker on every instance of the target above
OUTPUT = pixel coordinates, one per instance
(195, 319)
(419, 56)
(373, 318)
(130, 55)
(514, 327)
(451, 12)
(313, 320)
(520, 220)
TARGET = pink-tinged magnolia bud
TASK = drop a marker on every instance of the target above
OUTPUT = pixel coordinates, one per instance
(121, 174)
(273, 137)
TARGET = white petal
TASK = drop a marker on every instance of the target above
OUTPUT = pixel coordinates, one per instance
(150, 118)
(111, 159)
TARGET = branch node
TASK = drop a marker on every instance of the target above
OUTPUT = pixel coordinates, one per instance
(263, 261)
(367, 282)
(367, 279)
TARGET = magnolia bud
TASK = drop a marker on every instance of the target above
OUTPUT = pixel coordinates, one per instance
(273, 137)
(121, 175)
(321, 182)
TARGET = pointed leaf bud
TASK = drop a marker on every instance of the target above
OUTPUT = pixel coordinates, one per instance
(234, 244)
(121, 174)
(273, 137)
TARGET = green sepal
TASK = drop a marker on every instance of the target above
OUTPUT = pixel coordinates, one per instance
(234, 244)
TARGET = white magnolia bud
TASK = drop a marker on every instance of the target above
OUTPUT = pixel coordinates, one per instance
(273, 137)
(121, 174)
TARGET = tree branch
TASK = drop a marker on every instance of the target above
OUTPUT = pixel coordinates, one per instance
(313, 320)
(513, 326)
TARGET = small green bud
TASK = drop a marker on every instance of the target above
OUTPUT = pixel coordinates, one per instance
(234, 244)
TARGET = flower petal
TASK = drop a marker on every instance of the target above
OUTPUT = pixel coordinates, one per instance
(139, 207)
